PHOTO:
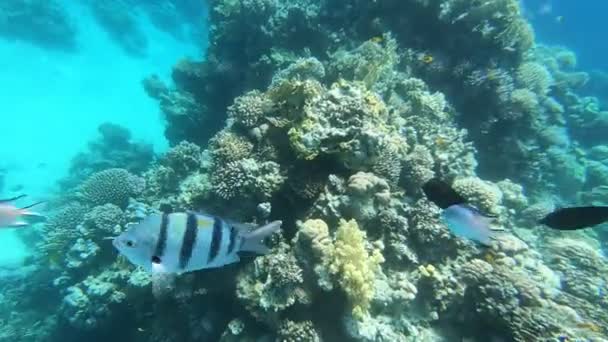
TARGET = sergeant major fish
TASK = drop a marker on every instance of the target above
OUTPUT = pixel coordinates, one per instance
(185, 242)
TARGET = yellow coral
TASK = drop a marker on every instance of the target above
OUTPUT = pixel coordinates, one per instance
(354, 266)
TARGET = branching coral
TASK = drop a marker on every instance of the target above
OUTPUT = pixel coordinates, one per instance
(354, 266)
(60, 229)
(498, 22)
(184, 158)
(227, 147)
(535, 77)
(249, 110)
(246, 178)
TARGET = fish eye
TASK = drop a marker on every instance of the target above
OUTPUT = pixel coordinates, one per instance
(130, 243)
(156, 260)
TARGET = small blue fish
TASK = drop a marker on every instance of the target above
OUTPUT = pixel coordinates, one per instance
(184, 242)
(462, 219)
(466, 221)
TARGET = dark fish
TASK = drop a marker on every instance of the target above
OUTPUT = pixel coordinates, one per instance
(441, 193)
(575, 217)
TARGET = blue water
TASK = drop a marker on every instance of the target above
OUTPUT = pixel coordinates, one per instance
(579, 25)
(54, 100)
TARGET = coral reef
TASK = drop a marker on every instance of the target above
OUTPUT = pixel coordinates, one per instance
(114, 186)
(330, 117)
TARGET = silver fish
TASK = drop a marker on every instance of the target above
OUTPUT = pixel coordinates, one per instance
(185, 242)
(467, 222)
(13, 216)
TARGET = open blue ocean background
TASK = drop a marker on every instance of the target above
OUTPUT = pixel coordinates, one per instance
(520, 129)
(579, 25)
(54, 99)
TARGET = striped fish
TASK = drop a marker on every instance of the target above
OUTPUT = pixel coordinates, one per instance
(184, 242)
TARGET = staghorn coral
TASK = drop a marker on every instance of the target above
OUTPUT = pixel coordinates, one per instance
(113, 186)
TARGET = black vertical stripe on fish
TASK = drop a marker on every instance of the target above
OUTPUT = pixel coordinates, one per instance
(188, 241)
(161, 243)
(232, 243)
(216, 239)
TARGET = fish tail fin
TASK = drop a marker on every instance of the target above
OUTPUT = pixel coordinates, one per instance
(254, 241)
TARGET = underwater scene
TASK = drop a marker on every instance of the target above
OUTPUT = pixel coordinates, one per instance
(303, 170)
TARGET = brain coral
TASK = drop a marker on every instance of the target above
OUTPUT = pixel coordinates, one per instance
(111, 186)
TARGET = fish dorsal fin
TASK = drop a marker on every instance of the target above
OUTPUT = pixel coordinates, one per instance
(12, 199)
(243, 227)
(477, 211)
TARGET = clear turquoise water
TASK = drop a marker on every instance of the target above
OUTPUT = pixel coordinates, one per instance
(54, 100)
